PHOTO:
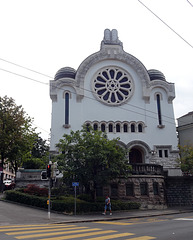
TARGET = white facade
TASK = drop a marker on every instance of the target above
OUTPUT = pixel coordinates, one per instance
(113, 91)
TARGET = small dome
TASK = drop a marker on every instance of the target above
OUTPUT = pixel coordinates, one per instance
(65, 72)
(156, 75)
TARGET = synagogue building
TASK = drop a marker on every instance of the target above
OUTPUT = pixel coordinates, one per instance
(112, 91)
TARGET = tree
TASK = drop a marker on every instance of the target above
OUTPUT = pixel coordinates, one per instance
(89, 157)
(16, 134)
(186, 159)
(39, 155)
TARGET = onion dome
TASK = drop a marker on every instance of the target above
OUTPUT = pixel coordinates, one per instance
(156, 75)
(65, 72)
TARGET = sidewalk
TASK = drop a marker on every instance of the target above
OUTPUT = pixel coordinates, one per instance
(13, 213)
(121, 215)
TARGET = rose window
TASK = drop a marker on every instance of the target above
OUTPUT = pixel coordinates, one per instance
(113, 86)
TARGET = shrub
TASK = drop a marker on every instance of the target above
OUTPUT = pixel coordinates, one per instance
(85, 197)
(27, 199)
(33, 189)
(66, 204)
(60, 191)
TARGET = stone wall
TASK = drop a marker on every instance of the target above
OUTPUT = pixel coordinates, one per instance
(179, 191)
(139, 188)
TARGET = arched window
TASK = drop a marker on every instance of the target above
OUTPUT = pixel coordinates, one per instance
(110, 127)
(118, 127)
(140, 128)
(159, 109)
(132, 127)
(67, 97)
(88, 127)
(95, 126)
(125, 127)
(103, 127)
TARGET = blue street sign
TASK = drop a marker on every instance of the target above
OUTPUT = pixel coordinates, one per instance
(75, 184)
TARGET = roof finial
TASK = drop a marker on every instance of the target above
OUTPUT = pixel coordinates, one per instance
(111, 37)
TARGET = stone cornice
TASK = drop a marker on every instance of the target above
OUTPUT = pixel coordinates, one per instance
(59, 84)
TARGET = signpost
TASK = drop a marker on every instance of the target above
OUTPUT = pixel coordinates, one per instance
(75, 184)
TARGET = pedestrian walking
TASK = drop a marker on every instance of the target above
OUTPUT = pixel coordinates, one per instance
(107, 205)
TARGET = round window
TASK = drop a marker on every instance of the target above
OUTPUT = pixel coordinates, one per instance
(113, 86)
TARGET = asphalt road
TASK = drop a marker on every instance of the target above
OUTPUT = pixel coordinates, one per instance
(18, 222)
(11, 213)
(173, 227)
(170, 227)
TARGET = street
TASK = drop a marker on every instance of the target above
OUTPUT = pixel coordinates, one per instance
(18, 222)
(171, 227)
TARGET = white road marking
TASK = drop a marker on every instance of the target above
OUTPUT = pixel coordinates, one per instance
(184, 219)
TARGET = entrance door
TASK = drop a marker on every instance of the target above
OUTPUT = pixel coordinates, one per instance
(135, 156)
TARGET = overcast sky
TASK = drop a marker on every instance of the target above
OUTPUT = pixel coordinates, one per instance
(46, 35)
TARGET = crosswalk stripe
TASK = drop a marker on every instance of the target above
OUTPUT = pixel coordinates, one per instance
(34, 225)
(31, 228)
(142, 238)
(56, 233)
(45, 230)
(79, 235)
(111, 236)
(8, 226)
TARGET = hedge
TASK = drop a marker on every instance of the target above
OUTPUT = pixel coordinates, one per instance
(65, 204)
(16, 196)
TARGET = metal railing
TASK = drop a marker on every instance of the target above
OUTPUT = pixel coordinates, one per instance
(147, 169)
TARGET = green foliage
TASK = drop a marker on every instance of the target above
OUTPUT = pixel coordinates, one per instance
(86, 197)
(16, 133)
(186, 159)
(34, 163)
(60, 191)
(124, 205)
(27, 199)
(66, 204)
(39, 155)
(89, 157)
(40, 148)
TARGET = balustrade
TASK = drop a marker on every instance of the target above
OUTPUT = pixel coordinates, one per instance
(146, 169)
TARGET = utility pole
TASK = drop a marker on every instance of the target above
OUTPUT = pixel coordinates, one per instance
(49, 169)
(49, 193)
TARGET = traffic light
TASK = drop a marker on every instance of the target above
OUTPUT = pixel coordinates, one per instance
(49, 170)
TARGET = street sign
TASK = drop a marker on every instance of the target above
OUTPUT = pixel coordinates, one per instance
(75, 184)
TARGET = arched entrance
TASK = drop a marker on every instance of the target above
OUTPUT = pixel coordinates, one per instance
(139, 152)
(135, 156)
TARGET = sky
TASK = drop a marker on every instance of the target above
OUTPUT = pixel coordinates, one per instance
(46, 35)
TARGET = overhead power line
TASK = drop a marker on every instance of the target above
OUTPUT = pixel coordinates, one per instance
(25, 68)
(190, 3)
(23, 76)
(166, 24)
